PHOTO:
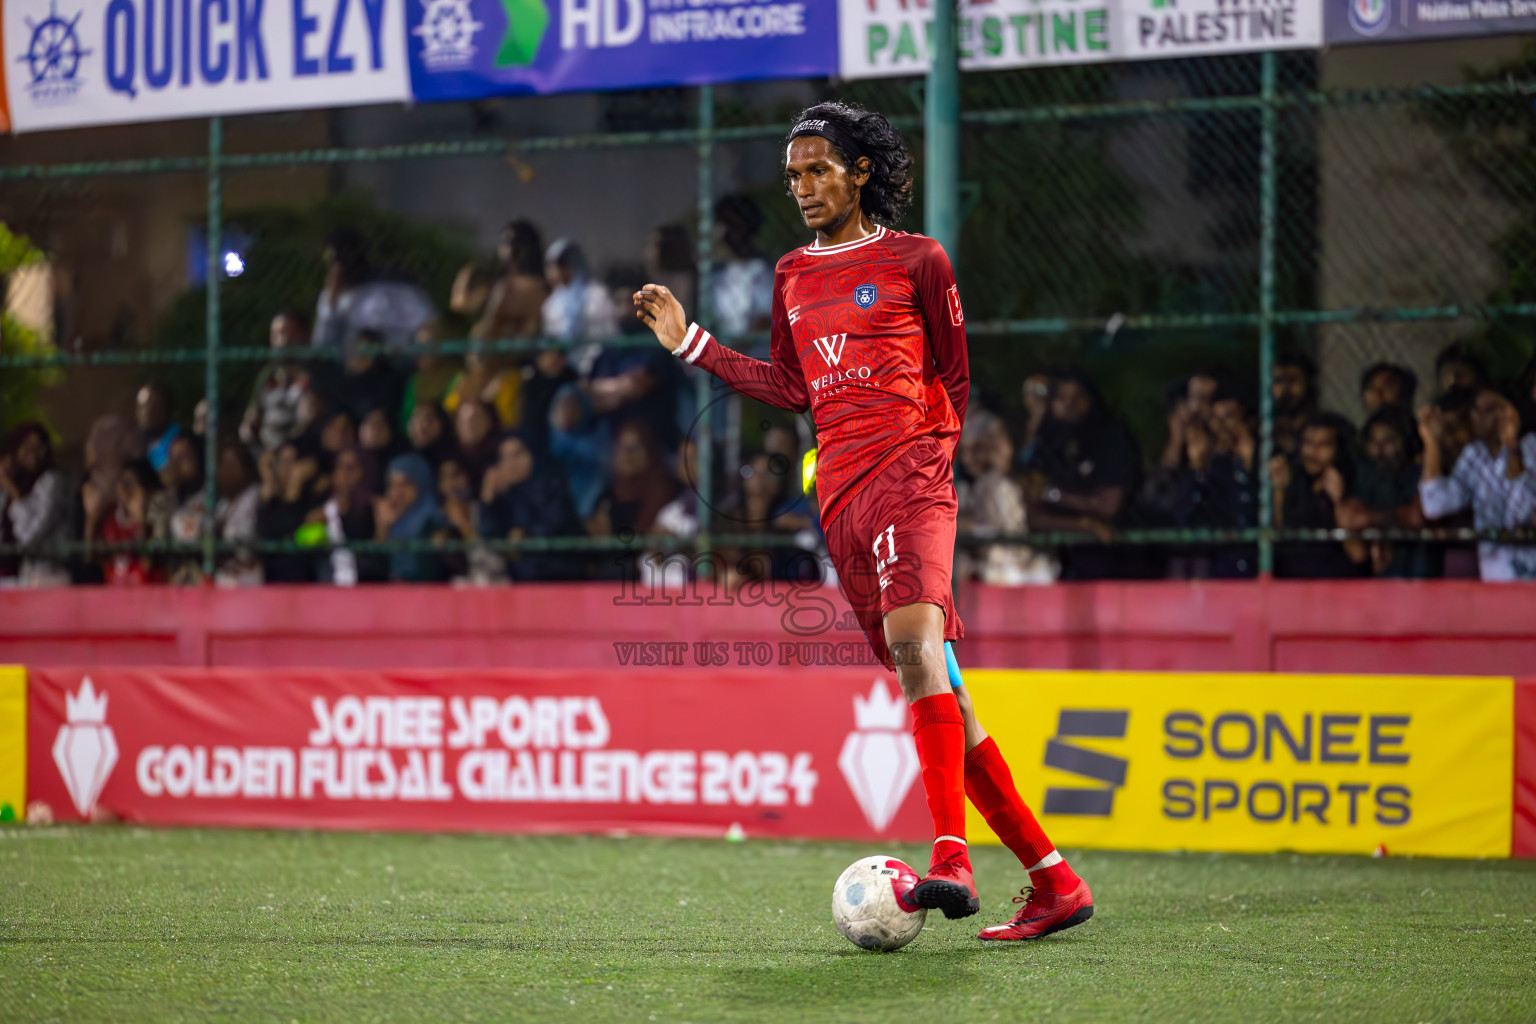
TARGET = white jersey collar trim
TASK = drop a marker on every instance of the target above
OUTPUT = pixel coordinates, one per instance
(815, 250)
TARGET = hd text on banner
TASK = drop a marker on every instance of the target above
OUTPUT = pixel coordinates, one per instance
(465, 49)
(70, 63)
(1254, 763)
(880, 38)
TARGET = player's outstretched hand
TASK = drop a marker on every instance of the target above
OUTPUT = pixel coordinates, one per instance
(659, 310)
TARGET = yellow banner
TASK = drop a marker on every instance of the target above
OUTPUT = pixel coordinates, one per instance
(1257, 762)
(13, 743)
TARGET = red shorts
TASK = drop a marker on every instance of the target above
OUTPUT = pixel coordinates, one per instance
(893, 544)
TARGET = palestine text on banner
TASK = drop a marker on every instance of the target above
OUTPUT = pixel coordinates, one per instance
(884, 38)
(1183, 28)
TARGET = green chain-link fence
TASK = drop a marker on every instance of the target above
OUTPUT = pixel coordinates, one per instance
(1142, 222)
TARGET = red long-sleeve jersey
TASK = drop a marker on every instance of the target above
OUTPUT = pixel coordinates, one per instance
(870, 337)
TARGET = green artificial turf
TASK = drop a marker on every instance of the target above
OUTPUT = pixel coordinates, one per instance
(128, 924)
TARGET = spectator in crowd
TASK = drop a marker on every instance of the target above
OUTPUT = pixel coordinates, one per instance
(669, 262)
(430, 434)
(543, 378)
(177, 512)
(1495, 475)
(234, 515)
(474, 428)
(578, 443)
(991, 504)
(1191, 410)
(290, 490)
(1309, 487)
(1386, 493)
(1525, 397)
(1387, 384)
(1037, 405)
(377, 436)
(495, 380)
(200, 423)
(1211, 484)
(1459, 366)
(639, 484)
(768, 503)
(521, 500)
(153, 410)
(354, 298)
(367, 381)
(111, 444)
(273, 411)
(409, 511)
(348, 517)
(34, 507)
(337, 431)
(680, 516)
(577, 306)
(456, 498)
(514, 305)
(742, 290)
(1458, 560)
(1082, 471)
(1293, 388)
(434, 377)
(461, 522)
(639, 384)
(127, 522)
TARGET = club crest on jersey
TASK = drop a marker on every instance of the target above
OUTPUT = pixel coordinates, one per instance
(866, 295)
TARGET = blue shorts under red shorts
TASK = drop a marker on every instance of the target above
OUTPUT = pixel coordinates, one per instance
(893, 544)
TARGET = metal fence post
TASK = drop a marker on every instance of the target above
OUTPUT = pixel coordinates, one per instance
(1266, 311)
(941, 131)
(706, 241)
(214, 256)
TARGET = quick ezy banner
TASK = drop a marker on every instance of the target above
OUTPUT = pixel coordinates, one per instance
(71, 63)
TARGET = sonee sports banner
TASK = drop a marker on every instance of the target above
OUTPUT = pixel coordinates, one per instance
(1114, 760)
(1255, 763)
(549, 751)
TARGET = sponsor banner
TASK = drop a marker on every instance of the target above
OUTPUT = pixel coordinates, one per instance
(881, 38)
(1523, 843)
(1187, 28)
(1243, 763)
(1374, 21)
(646, 750)
(466, 49)
(13, 743)
(86, 62)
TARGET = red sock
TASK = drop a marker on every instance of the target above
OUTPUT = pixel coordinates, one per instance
(989, 784)
(939, 732)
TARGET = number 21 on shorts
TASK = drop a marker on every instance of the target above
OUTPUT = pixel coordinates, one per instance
(888, 537)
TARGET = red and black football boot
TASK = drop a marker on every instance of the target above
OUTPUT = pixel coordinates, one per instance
(948, 885)
(1042, 914)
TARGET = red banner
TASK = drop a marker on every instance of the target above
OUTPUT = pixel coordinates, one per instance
(823, 754)
(1523, 840)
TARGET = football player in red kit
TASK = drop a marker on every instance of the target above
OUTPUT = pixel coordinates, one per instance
(869, 335)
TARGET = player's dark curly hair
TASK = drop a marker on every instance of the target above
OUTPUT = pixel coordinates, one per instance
(888, 192)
